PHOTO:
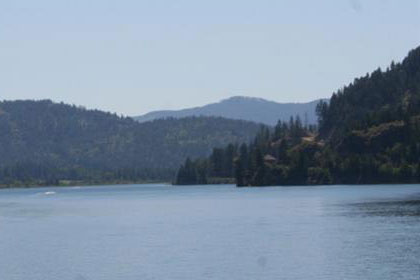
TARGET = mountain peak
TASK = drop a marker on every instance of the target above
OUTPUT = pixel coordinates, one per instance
(239, 98)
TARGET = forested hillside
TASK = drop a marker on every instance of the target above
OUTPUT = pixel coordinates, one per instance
(42, 142)
(368, 133)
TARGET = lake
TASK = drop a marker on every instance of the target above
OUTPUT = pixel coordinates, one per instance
(145, 232)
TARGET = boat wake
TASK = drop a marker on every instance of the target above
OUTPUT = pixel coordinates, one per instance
(49, 193)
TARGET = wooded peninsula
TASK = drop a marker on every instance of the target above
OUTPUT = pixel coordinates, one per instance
(368, 133)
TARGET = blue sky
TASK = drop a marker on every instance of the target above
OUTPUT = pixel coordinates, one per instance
(132, 57)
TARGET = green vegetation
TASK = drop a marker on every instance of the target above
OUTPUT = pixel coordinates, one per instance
(44, 143)
(368, 133)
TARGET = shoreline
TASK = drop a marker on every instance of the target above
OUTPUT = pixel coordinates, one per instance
(81, 184)
(98, 184)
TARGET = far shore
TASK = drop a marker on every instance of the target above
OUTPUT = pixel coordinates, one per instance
(80, 184)
(100, 184)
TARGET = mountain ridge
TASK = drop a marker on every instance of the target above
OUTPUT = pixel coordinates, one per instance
(253, 109)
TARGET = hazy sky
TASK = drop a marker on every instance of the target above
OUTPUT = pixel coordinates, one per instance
(133, 56)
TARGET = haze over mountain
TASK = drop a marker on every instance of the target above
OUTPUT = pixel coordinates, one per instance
(243, 108)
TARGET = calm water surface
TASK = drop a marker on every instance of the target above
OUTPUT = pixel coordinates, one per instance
(210, 232)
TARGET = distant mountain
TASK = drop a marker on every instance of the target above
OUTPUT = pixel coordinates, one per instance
(244, 108)
(42, 142)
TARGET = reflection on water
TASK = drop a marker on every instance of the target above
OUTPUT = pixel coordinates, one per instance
(393, 208)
